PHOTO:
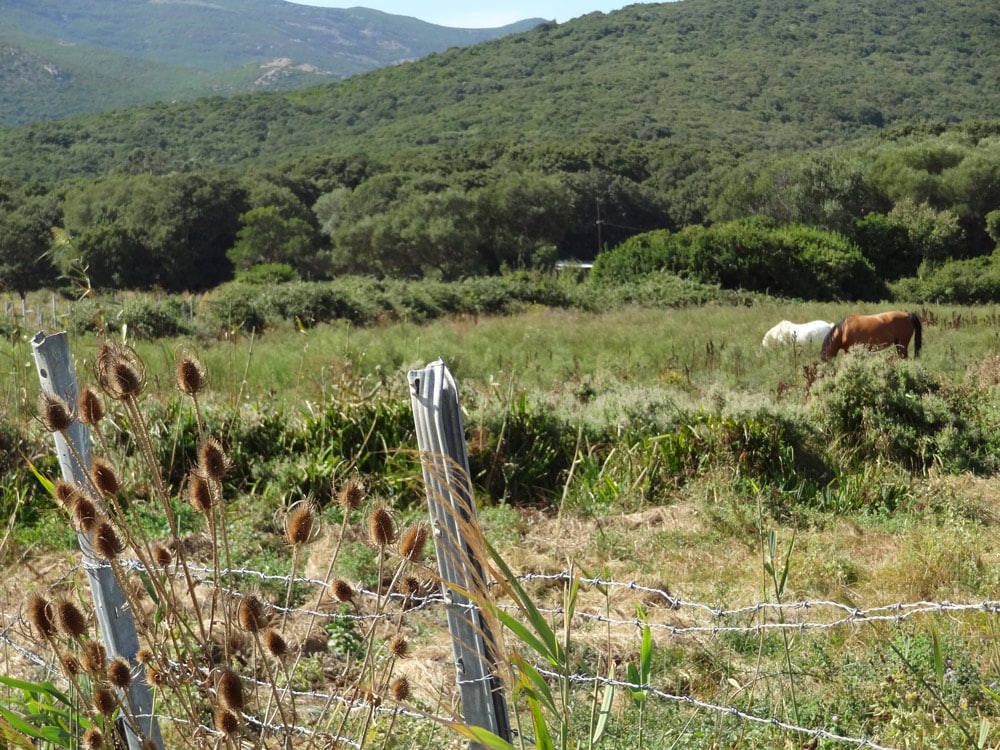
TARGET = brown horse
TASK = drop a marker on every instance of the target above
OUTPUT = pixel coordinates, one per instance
(874, 332)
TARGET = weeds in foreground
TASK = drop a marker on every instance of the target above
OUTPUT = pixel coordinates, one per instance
(219, 662)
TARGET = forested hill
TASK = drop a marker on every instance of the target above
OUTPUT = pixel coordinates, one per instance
(59, 59)
(738, 74)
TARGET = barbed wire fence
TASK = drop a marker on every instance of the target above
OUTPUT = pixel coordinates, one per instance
(699, 619)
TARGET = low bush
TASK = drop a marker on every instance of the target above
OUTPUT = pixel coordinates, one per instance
(875, 408)
(963, 282)
(751, 254)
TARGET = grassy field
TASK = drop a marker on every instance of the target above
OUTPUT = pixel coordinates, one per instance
(865, 532)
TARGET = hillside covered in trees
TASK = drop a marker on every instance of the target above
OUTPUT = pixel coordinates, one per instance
(857, 136)
(58, 60)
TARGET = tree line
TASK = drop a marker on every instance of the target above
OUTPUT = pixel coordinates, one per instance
(878, 211)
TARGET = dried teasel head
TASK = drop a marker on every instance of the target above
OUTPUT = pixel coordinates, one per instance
(71, 620)
(105, 478)
(212, 459)
(107, 543)
(230, 690)
(343, 591)
(85, 514)
(226, 721)
(351, 495)
(155, 676)
(67, 493)
(72, 665)
(105, 700)
(301, 524)
(199, 492)
(409, 586)
(190, 377)
(381, 529)
(399, 647)
(252, 614)
(400, 689)
(41, 615)
(93, 739)
(412, 544)
(275, 643)
(54, 412)
(144, 655)
(94, 658)
(162, 557)
(120, 673)
(90, 408)
(120, 372)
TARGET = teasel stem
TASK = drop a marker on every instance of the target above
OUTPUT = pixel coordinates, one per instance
(350, 497)
(146, 448)
(273, 684)
(301, 528)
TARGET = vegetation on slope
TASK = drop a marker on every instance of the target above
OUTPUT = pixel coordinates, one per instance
(105, 55)
(522, 151)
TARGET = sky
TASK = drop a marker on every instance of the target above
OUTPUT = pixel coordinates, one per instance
(479, 14)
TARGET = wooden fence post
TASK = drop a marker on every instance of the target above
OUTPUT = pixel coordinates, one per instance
(445, 464)
(114, 618)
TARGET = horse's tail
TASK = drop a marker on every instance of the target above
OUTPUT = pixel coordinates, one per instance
(918, 334)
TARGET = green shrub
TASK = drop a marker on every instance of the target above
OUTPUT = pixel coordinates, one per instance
(877, 408)
(522, 454)
(310, 302)
(961, 282)
(750, 254)
(89, 315)
(267, 273)
(146, 318)
(240, 307)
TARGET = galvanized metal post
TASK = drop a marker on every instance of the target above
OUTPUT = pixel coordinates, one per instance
(445, 463)
(114, 618)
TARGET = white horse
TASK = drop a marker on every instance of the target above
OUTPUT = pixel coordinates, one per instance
(787, 332)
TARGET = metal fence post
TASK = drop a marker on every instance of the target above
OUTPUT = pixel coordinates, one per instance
(445, 464)
(114, 618)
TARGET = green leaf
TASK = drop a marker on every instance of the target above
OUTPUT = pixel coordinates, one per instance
(523, 634)
(36, 688)
(638, 696)
(645, 652)
(20, 724)
(550, 647)
(543, 739)
(533, 681)
(787, 566)
(479, 735)
(46, 483)
(148, 585)
(938, 656)
(605, 713)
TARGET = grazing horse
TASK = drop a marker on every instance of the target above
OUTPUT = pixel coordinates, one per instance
(787, 332)
(874, 332)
